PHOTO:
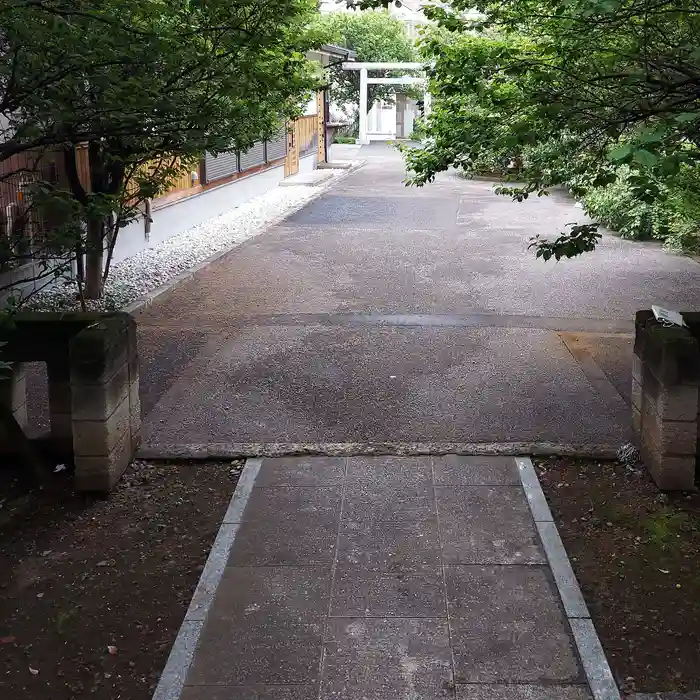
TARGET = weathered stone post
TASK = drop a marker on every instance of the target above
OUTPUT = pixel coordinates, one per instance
(665, 380)
(106, 413)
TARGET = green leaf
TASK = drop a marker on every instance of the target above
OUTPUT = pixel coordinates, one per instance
(620, 153)
(651, 135)
(645, 158)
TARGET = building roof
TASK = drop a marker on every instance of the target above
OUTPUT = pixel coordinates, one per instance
(340, 51)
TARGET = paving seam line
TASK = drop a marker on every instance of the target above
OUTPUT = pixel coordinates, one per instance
(171, 285)
(172, 680)
(590, 650)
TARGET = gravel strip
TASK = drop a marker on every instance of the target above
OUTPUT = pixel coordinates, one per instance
(132, 278)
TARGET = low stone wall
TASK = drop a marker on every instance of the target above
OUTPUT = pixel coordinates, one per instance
(92, 363)
(665, 410)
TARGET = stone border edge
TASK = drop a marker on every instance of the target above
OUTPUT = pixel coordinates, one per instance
(172, 284)
(172, 679)
(590, 650)
(233, 450)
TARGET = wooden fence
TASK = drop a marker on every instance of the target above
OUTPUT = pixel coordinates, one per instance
(306, 132)
(22, 229)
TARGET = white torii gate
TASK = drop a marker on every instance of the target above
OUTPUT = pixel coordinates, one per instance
(364, 68)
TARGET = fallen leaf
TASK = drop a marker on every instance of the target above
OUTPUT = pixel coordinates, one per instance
(34, 671)
(112, 650)
(7, 640)
(663, 571)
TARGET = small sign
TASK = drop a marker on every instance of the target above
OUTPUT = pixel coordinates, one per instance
(668, 317)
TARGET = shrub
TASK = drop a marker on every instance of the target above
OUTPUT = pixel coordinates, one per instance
(616, 207)
(674, 217)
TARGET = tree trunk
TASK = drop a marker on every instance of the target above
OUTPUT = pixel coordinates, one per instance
(94, 258)
(106, 178)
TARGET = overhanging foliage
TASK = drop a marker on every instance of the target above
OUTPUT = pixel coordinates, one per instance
(143, 82)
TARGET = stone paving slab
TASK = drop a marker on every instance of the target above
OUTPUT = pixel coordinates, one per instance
(258, 692)
(294, 502)
(666, 696)
(389, 546)
(385, 658)
(522, 692)
(487, 524)
(386, 578)
(300, 471)
(419, 592)
(365, 502)
(302, 541)
(454, 470)
(507, 626)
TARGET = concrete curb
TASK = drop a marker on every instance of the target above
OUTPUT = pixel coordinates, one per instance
(590, 650)
(172, 680)
(172, 284)
(232, 450)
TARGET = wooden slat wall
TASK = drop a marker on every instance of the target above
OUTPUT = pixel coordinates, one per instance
(185, 181)
(306, 133)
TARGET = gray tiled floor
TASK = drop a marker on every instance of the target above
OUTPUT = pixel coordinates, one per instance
(386, 578)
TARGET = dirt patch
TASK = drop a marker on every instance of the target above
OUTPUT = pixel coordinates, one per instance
(92, 592)
(636, 553)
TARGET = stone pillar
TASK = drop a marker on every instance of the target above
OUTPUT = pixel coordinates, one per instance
(13, 392)
(665, 380)
(60, 407)
(106, 413)
(363, 108)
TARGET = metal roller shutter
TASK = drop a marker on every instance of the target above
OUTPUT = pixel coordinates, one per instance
(220, 166)
(277, 147)
(254, 156)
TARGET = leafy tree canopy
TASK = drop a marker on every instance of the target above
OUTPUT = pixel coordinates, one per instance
(170, 74)
(146, 86)
(374, 36)
(566, 92)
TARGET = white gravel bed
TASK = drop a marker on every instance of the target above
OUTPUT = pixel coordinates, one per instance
(133, 277)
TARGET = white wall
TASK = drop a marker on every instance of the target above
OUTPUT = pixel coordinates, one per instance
(311, 107)
(185, 213)
(381, 123)
(308, 163)
(409, 115)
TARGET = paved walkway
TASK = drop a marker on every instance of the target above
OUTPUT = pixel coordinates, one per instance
(386, 578)
(384, 314)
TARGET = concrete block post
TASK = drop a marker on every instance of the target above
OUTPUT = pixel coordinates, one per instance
(363, 140)
(665, 405)
(13, 392)
(106, 414)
